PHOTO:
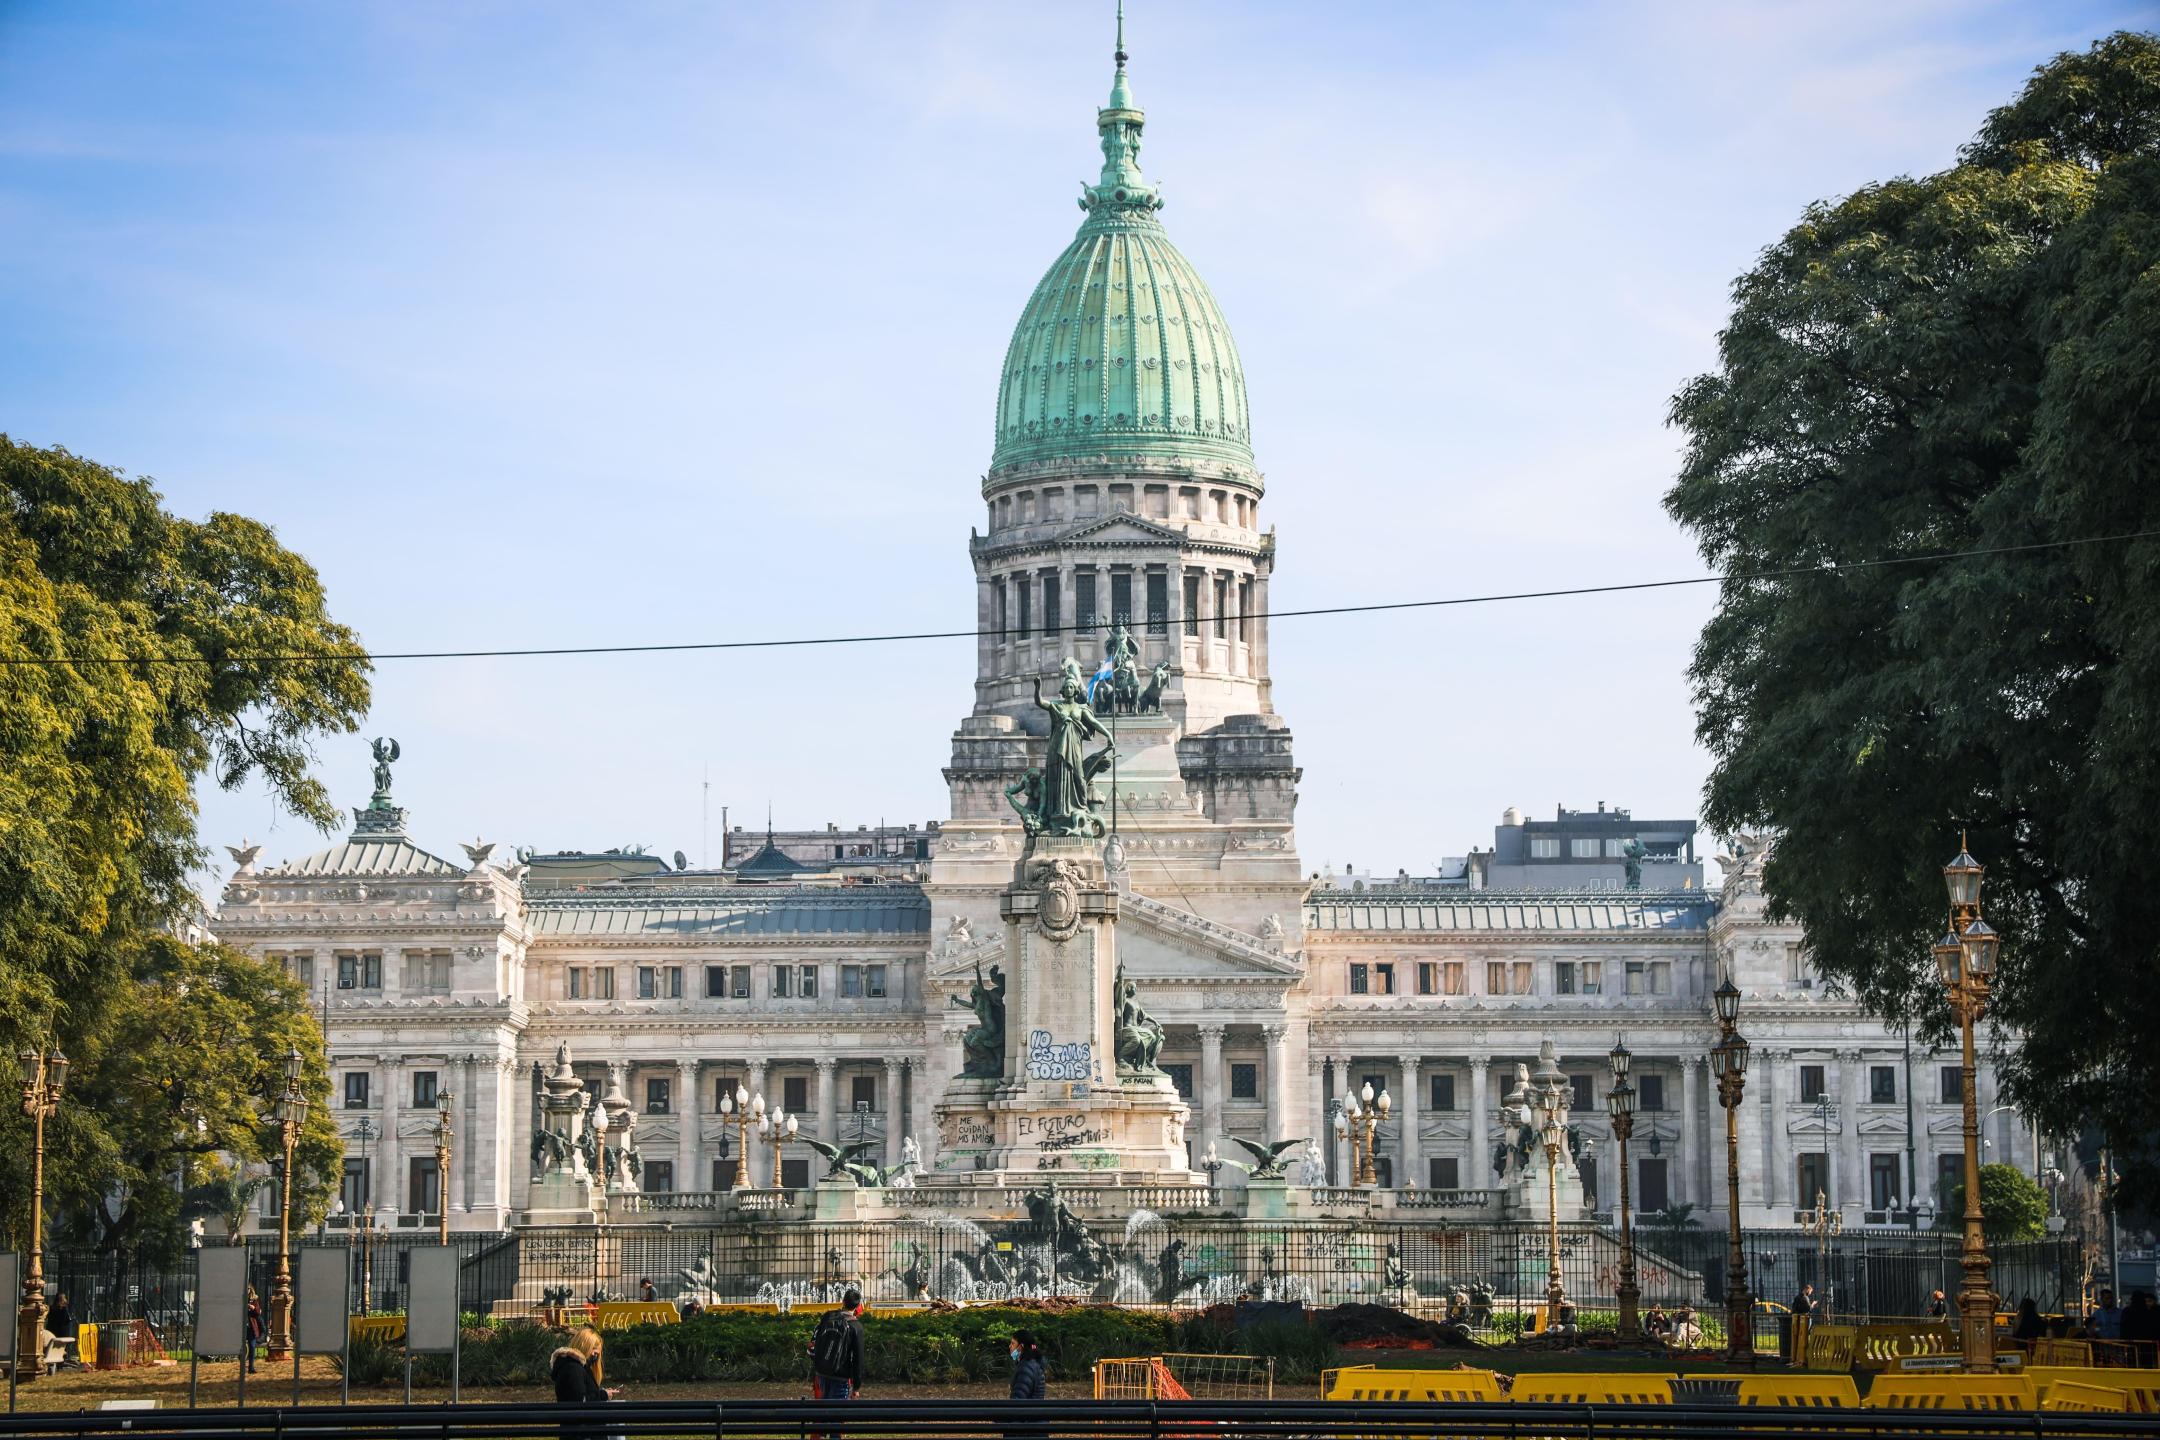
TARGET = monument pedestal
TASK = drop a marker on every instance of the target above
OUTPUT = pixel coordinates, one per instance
(1061, 1109)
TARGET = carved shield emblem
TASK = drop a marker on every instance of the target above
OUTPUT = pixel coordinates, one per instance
(1058, 913)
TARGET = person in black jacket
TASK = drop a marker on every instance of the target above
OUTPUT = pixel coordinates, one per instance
(836, 1351)
(1028, 1377)
(575, 1369)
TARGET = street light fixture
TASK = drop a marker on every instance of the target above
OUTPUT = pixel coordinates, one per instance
(291, 1114)
(779, 1127)
(44, 1078)
(364, 1132)
(1728, 1062)
(1620, 1106)
(737, 1110)
(1554, 1134)
(442, 1166)
(1965, 959)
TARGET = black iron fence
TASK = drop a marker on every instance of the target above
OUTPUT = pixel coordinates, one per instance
(1105, 1420)
(1495, 1272)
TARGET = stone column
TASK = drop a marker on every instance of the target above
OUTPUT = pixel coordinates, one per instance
(469, 1139)
(390, 1148)
(393, 973)
(1340, 1147)
(1259, 656)
(686, 1139)
(1688, 1164)
(1851, 1191)
(1481, 1177)
(1410, 1168)
(1206, 611)
(1778, 1178)
(1316, 1090)
(895, 1115)
(1278, 1082)
(1211, 1089)
(828, 1099)
(750, 1151)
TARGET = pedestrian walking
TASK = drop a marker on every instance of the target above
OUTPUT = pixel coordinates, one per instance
(254, 1327)
(836, 1351)
(576, 1371)
(1029, 1380)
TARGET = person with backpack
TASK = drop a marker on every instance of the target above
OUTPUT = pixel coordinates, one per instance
(836, 1351)
(1028, 1379)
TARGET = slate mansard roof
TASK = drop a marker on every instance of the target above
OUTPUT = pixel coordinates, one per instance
(1513, 912)
(898, 911)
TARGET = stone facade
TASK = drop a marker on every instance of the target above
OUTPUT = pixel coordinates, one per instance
(1121, 490)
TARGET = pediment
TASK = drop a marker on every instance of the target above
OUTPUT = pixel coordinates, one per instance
(1152, 950)
(1126, 529)
(1881, 1125)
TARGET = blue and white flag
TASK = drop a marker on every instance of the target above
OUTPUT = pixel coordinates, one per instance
(1097, 678)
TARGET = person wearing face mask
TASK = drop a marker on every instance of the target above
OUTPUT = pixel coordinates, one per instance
(1028, 1378)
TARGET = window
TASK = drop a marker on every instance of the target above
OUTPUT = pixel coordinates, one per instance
(1360, 979)
(671, 982)
(574, 983)
(1796, 966)
(1949, 1180)
(1451, 978)
(1581, 849)
(656, 1096)
(862, 1090)
(1244, 1080)
(1593, 977)
(356, 1090)
(1383, 979)
(1053, 622)
(997, 605)
(1636, 975)
(716, 982)
(1661, 977)
(1882, 1182)
(1544, 847)
(739, 982)
(795, 1094)
(783, 982)
(723, 1170)
(603, 983)
(1192, 602)
(1084, 580)
(1495, 977)
(427, 972)
(1024, 593)
(658, 1177)
(1587, 1168)
(1222, 606)
(359, 972)
(1811, 1084)
(1245, 617)
(1882, 1084)
(724, 1089)
(1615, 848)
(1812, 1170)
(1652, 1189)
(423, 1089)
(1440, 1092)
(353, 1187)
(1158, 603)
(1121, 596)
(1585, 1093)
(648, 983)
(851, 982)
(1649, 1092)
(1180, 1076)
(1428, 978)
(1384, 1171)
(873, 981)
(1563, 977)
(1444, 1172)
(1953, 1085)
(794, 1174)
(1522, 977)
(806, 983)
(423, 1188)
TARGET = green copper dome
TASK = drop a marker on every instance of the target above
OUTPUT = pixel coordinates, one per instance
(1122, 352)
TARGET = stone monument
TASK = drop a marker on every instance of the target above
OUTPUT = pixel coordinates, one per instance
(1519, 1164)
(563, 1179)
(1059, 1075)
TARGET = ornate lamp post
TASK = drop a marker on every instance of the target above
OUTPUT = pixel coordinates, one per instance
(442, 1166)
(1728, 1061)
(1823, 1222)
(44, 1077)
(1212, 1163)
(1620, 1104)
(291, 1114)
(1347, 1122)
(736, 1110)
(1966, 960)
(364, 1132)
(1554, 1134)
(778, 1127)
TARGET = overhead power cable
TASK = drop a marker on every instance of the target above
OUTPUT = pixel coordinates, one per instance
(680, 647)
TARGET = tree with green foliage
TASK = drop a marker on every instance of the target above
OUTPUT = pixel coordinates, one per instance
(1964, 362)
(2012, 1205)
(139, 653)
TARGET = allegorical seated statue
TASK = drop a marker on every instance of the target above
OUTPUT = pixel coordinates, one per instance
(1139, 1037)
(982, 1048)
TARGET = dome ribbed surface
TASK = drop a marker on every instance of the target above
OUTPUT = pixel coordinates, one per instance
(1122, 351)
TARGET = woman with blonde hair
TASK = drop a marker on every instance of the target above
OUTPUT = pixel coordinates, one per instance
(575, 1370)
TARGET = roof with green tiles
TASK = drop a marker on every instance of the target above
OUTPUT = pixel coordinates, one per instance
(1122, 352)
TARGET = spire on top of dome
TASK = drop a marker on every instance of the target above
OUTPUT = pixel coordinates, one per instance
(1121, 189)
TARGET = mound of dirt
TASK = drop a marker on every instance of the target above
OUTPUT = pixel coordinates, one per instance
(1382, 1327)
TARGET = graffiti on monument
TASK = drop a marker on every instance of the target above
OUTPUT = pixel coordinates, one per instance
(1047, 1060)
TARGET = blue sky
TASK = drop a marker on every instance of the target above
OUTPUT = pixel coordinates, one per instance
(561, 324)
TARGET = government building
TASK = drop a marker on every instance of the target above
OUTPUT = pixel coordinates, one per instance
(827, 973)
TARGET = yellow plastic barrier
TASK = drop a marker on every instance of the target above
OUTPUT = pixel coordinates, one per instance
(1370, 1382)
(1830, 1347)
(389, 1329)
(1594, 1389)
(1828, 1391)
(1951, 1392)
(2074, 1395)
(622, 1314)
(2062, 1352)
(1880, 1347)
(86, 1345)
(2140, 1388)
